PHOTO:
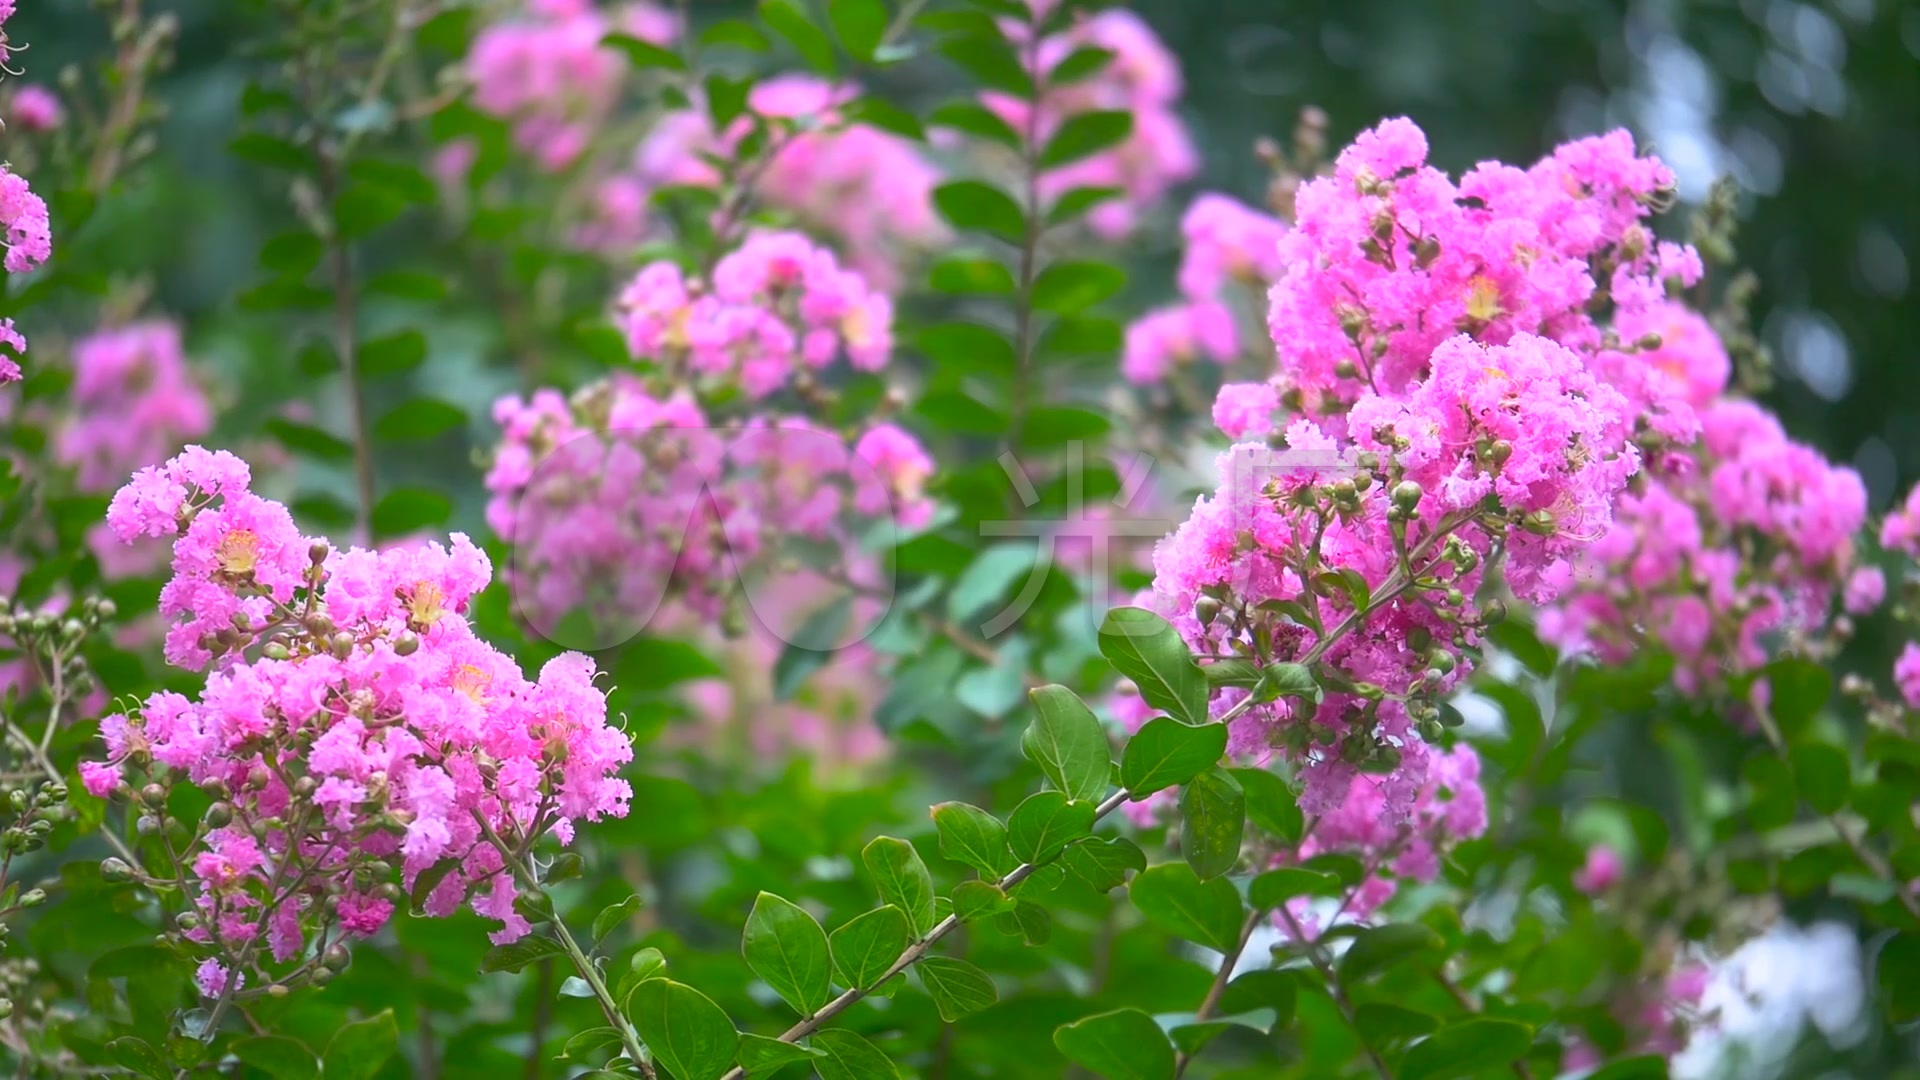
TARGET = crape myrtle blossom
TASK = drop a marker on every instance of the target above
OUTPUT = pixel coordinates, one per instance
(614, 497)
(25, 233)
(549, 75)
(135, 403)
(1229, 249)
(354, 733)
(35, 108)
(1449, 808)
(1143, 80)
(776, 310)
(1451, 393)
(1747, 550)
(869, 191)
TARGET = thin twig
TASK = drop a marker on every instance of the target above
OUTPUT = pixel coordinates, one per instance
(1219, 987)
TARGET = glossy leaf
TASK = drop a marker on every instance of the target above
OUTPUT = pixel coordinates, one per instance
(1041, 827)
(958, 988)
(972, 836)
(1123, 1045)
(1166, 753)
(1174, 898)
(1213, 820)
(1148, 650)
(786, 947)
(1069, 744)
(684, 1029)
(902, 878)
(868, 945)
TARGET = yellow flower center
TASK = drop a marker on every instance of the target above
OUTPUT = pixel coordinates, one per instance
(473, 682)
(239, 552)
(425, 605)
(1483, 299)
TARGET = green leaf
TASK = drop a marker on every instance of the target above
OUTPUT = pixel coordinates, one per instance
(292, 253)
(413, 285)
(613, 915)
(789, 20)
(359, 1048)
(902, 879)
(1068, 743)
(421, 418)
(1240, 673)
(868, 944)
(277, 1056)
(518, 954)
(972, 204)
(975, 900)
(1824, 776)
(1174, 898)
(1798, 690)
(1213, 820)
(786, 947)
(971, 277)
(1058, 425)
(1382, 1024)
(972, 836)
(364, 208)
(1082, 63)
(1264, 989)
(860, 24)
(1147, 649)
(1275, 887)
(1085, 135)
(402, 180)
(736, 33)
(1468, 1048)
(958, 988)
(883, 115)
(1074, 203)
(761, 1056)
(135, 1054)
(1067, 287)
(1377, 948)
(1167, 753)
(389, 355)
(1271, 803)
(1042, 826)
(958, 411)
(686, 1031)
(989, 59)
(966, 349)
(1103, 863)
(644, 54)
(1121, 1045)
(405, 510)
(262, 149)
(847, 1056)
(308, 440)
(977, 120)
(1287, 680)
(591, 1041)
(988, 577)
(1899, 958)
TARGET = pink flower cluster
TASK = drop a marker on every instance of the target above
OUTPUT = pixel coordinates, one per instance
(616, 497)
(135, 403)
(355, 733)
(1747, 549)
(1463, 405)
(1389, 258)
(776, 306)
(36, 108)
(552, 78)
(869, 191)
(1450, 807)
(28, 236)
(1229, 246)
(1143, 80)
